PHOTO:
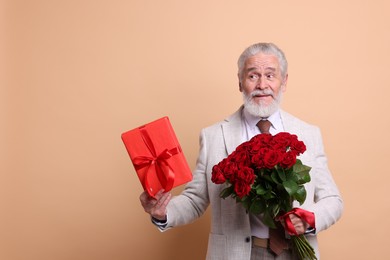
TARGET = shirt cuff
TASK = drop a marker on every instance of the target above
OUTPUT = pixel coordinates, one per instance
(159, 223)
(310, 230)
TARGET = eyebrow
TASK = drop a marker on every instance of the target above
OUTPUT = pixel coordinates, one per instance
(255, 68)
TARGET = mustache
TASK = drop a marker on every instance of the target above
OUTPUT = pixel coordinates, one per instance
(262, 92)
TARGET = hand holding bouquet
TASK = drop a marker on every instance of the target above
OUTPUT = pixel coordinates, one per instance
(265, 175)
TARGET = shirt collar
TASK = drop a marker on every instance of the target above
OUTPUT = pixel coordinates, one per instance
(275, 119)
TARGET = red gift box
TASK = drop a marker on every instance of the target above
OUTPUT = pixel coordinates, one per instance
(157, 156)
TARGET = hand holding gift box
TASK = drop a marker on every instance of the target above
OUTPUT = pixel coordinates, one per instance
(157, 156)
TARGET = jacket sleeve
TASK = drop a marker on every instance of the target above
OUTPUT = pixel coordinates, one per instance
(327, 202)
(194, 200)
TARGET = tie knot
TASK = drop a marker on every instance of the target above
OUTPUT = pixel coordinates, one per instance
(264, 126)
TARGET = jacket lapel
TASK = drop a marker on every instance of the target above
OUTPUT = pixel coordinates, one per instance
(232, 131)
(288, 122)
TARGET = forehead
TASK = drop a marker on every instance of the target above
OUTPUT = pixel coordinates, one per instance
(262, 61)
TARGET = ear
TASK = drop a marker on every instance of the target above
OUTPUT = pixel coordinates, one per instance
(284, 84)
(239, 83)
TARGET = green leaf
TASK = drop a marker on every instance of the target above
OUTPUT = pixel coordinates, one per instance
(268, 220)
(291, 187)
(290, 174)
(299, 167)
(245, 203)
(275, 209)
(256, 207)
(269, 195)
(300, 195)
(281, 173)
(274, 176)
(261, 190)
(301, 171)
(226, 192)
(267, 177)
(303, 177)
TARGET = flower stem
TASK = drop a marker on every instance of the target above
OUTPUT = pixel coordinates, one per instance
(302, 247)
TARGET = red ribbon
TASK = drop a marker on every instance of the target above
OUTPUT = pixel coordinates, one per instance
(163, 170)
(305, 215)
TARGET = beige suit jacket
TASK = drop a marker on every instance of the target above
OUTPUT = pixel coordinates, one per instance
(230, 234)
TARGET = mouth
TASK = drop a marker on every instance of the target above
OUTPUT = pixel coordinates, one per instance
(261, 96)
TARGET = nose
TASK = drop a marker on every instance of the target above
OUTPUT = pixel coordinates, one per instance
(261, 83)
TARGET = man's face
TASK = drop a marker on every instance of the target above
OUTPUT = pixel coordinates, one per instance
(262, 84)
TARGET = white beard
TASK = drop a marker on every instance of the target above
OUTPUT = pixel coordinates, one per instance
(261, 109)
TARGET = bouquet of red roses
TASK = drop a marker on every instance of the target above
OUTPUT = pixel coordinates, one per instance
(265, 175)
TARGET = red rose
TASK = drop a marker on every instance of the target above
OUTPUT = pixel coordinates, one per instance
(257, 161)
(217, 175)
(254, 150)
(271, 158)
(245, 146)
(246, 174)
(281, 141)
(242, 158)
(223, 163)
(261, 140)
(231, 157)
(230, 171)
(258, 158)
(241, 188)
(288, 160)
(298, 146)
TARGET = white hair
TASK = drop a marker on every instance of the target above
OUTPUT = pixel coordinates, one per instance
(266, 48)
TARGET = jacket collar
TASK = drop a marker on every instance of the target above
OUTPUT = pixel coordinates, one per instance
(232, 130)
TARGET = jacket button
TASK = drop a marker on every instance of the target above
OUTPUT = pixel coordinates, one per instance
(247, 239)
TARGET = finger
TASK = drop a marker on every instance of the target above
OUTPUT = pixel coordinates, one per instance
(147, 202)
(163, 201)
(159, 194)
(159, 211)
(166, 200)
(282, 222)
(143, 197)
(297, 223)
(295, 219)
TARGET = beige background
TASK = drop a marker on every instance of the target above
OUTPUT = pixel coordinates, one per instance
(79, 73)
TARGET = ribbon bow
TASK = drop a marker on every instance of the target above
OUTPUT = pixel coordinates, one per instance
(305, 215)
(163, 170)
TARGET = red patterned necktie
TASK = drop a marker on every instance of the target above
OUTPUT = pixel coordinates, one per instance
(277, 240)
(264, 126)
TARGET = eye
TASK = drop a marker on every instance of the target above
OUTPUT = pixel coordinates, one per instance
(270, 76)
(253, 76)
